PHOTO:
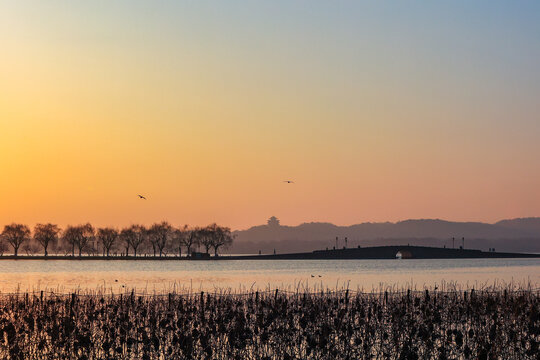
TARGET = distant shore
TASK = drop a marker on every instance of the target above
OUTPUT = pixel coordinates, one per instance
(375, 252)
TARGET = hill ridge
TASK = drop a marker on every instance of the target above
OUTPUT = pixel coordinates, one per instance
(520, 234)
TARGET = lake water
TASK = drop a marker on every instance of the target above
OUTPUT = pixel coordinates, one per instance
(237, 275)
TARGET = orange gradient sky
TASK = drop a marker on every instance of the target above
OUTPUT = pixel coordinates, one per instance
(377, 113)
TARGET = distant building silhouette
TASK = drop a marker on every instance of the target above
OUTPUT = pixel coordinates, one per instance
(273, 222)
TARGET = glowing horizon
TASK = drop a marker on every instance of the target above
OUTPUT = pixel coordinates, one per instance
(378, 112)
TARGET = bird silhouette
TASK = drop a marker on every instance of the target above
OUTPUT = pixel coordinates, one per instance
(288, 181)
(141, 197)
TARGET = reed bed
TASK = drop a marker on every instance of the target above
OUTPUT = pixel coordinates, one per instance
(498, 323)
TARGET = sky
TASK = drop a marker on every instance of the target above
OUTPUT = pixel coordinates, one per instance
(378, 111)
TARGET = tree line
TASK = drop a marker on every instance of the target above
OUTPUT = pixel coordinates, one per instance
(159, 239)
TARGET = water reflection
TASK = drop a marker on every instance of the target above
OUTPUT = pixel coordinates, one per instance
(165, 276)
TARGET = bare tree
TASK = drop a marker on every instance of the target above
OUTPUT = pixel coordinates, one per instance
(206, 236)
(79, 236)
(159, 235)
(133, 236)
(70, 236)
(189, 238)
(177, 238)
(222, 238)
(45, 235)
(87, 235)
(16, 235)
(107, 237)
(30, 247)
(125, 236)
(3, 246)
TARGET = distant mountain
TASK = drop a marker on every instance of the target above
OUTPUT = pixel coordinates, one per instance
(530, 225)
(520, 235)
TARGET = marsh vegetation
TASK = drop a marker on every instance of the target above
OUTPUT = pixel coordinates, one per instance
(488, 324)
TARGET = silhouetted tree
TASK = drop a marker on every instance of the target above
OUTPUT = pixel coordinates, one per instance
(206, 236)
(177, 237)
(16, 235)
(30, 247)
(87, 235)
(107, 237)
(189, 238)
(45, 235)
(70, 236)
(222, 237)
(78, 236)
(134, 236)
(3, 246)
(125, 236)
(159, 235)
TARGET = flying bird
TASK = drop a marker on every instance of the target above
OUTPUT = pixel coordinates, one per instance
(141, 197)
(288, 181)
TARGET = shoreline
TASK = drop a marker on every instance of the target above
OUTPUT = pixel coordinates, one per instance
(405, 252)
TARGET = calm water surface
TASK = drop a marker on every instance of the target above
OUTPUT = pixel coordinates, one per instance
(237, 275)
